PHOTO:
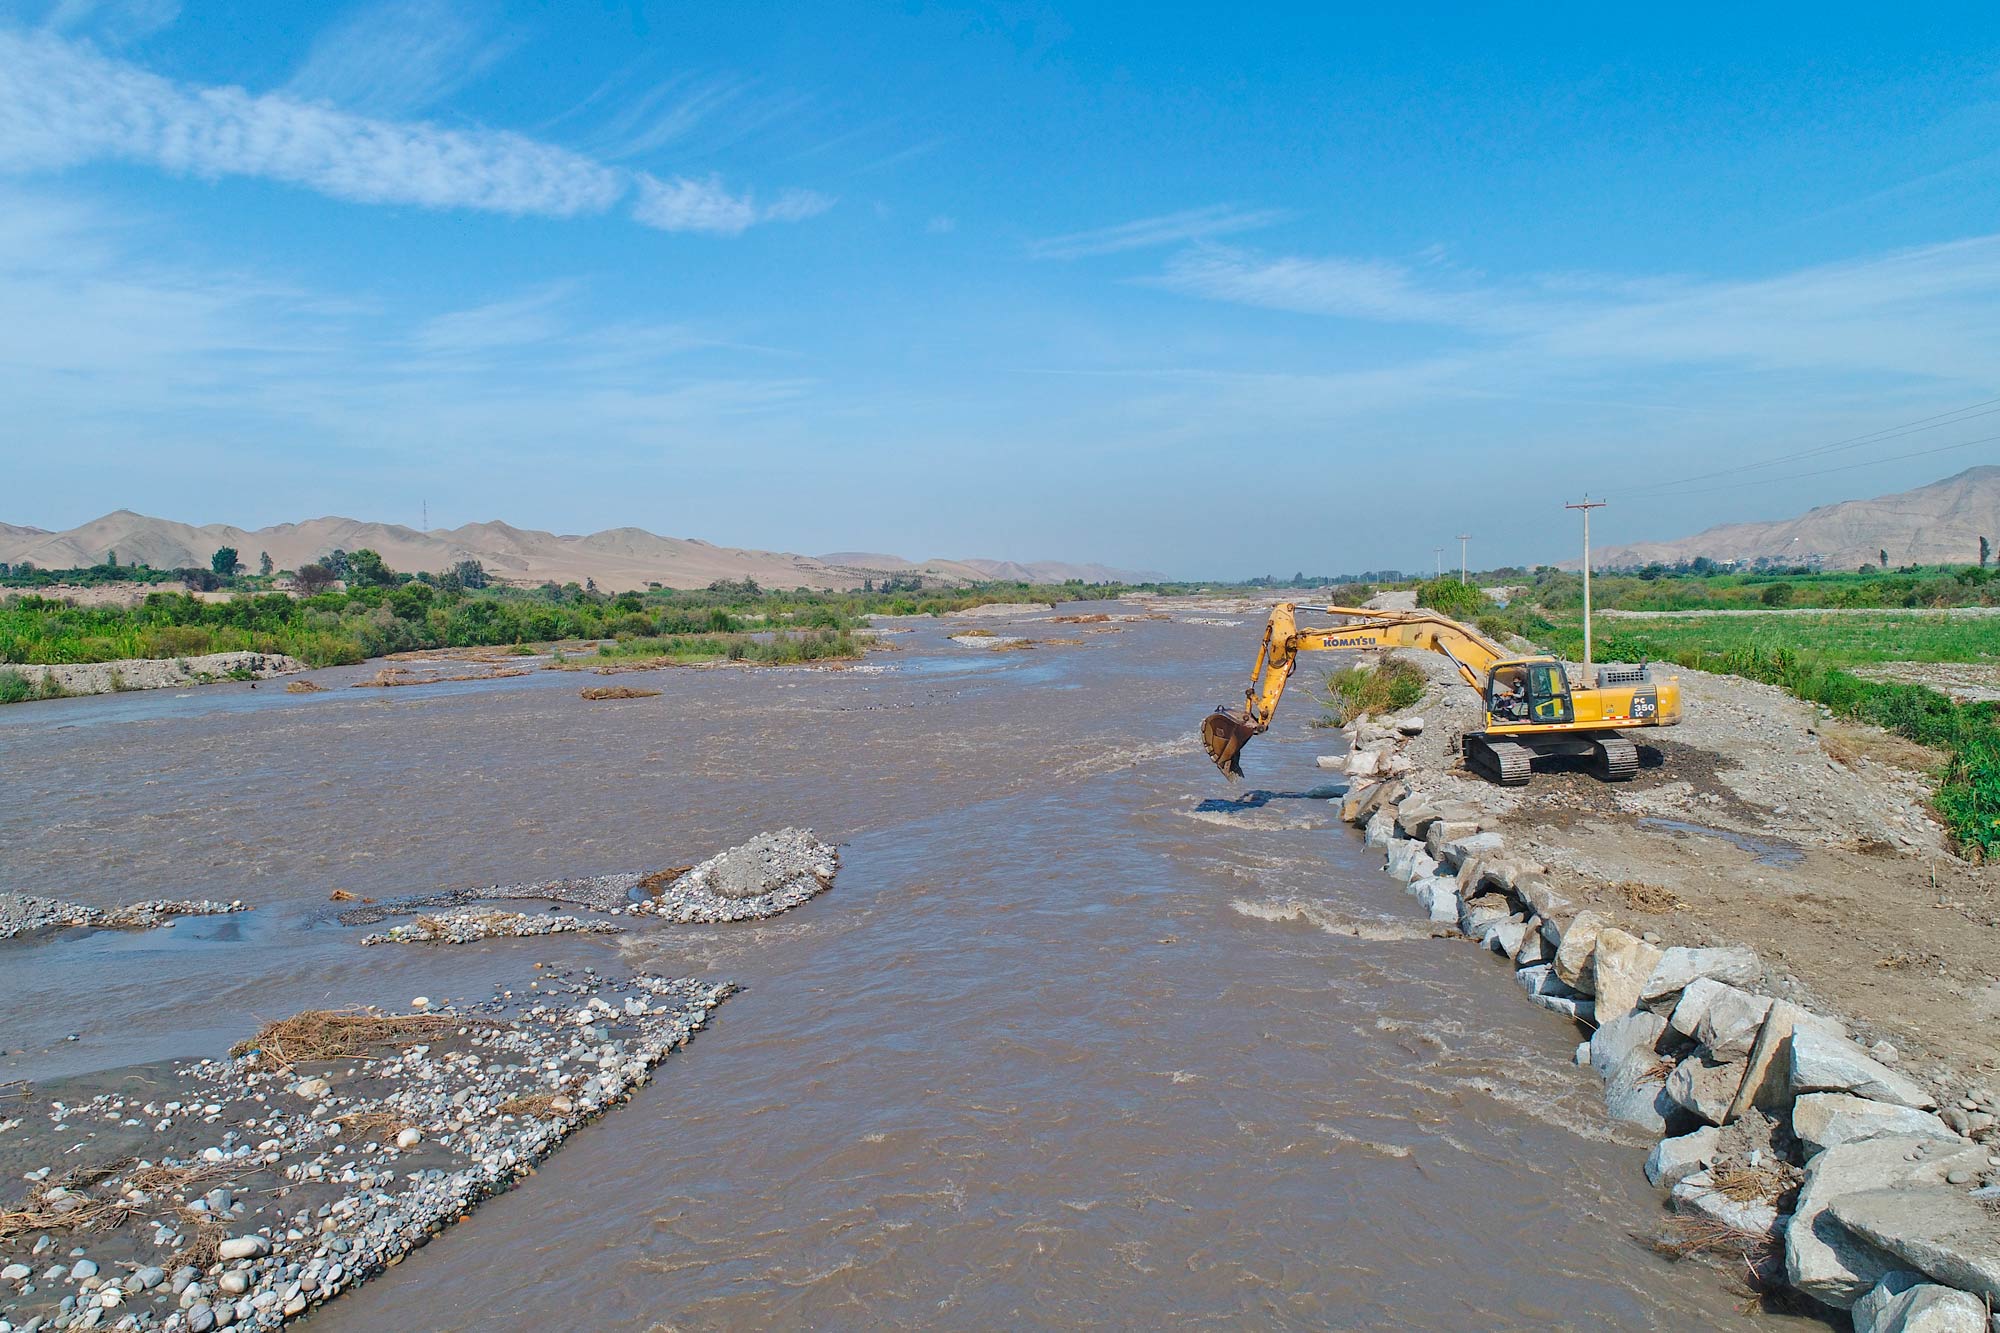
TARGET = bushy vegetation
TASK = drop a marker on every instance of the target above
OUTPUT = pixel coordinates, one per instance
(1460, 601)
(810, 646)
(379, 615)
(1358, 691)
(17, 688)
(1561, 590)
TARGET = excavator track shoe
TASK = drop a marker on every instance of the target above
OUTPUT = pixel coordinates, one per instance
(1616, 759)
(1504, 762)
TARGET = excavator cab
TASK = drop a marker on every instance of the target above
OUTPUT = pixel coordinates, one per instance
(1532, 692)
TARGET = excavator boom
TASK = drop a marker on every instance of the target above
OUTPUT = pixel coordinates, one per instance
(1530, 703)
(1225, 732)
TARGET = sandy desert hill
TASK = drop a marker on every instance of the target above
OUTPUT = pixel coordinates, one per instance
(1936, 524)
(617, 558)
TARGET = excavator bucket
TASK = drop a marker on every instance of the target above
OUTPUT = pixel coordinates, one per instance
(1223, 735)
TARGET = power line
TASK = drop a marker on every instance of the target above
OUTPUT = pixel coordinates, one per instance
(1849, 467)
(1882, 436)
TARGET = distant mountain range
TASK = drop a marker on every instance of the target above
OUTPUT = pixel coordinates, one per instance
(1936, 524)
(617, 558)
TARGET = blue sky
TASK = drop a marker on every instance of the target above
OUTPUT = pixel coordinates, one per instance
(1310, 288)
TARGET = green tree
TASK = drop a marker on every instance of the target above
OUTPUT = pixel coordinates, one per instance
(367, 568)
(224, 561)
(111, 557)
(470, 574)
(1776, 594)
(314, 578)
(264, 563)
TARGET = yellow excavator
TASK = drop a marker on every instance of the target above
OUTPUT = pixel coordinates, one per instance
(1530, 708)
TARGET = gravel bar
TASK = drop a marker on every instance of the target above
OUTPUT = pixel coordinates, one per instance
(243, 1192)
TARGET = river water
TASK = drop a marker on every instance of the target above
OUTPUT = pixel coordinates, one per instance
(1080, 1036)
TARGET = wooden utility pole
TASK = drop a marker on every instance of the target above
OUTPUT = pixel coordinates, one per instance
(1463, 538)
(1586, 505)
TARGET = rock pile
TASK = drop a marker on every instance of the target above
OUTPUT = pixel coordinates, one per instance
(771, 873)
(1850, 1180)
(264, 1189)
(26, 914)
(467, 926)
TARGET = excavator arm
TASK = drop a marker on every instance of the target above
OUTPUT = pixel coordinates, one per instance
(1225, 732)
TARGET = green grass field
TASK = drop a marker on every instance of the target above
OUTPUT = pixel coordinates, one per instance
(1838, 640)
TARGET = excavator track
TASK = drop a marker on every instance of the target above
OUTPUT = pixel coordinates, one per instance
(1504, 762)
(1616, 759)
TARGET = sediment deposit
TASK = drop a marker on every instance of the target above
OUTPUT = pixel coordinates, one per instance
(242, 1192)
(146, 673)
(28, 914)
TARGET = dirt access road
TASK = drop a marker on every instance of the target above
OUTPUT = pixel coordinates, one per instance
(1761, 821)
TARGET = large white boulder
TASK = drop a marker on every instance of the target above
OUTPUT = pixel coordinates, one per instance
(1440, 899)
(1674, 1160)
(1619, 971)
(1731, 1022)
(1767, 1081)
(1940, 1231)
(1825, 1120)
(1409, 862)
(1624, 1053)
(1578, 948)
(1822, 1062)
(1679, 967)
(1620, 1039)
(1823, 1257)
(1905, 1303)
(1705, 1086)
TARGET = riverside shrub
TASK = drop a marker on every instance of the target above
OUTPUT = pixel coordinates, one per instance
(1357, 691)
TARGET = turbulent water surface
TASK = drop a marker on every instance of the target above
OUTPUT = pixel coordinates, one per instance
(1080, 1036)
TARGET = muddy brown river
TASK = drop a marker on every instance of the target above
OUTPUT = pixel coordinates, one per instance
(1080, 1036)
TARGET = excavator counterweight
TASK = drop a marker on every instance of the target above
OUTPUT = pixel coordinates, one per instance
(1531, 709)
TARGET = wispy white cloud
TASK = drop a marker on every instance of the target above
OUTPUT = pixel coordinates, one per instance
(63, 103)
(1356, 288)
(909, 153)
(1192, 224)
(686, 204)
(104, 347)
(1926, 312)
(115, 21)
(522, 321)
(702, 114)
(394, 57)
(666, 114)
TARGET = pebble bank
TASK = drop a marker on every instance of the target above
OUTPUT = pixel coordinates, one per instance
(243, 1192)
